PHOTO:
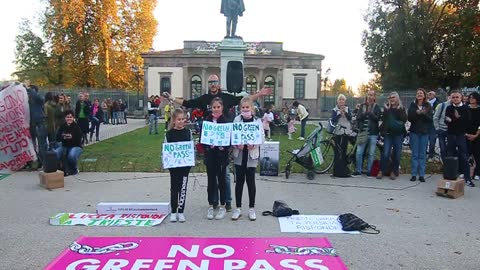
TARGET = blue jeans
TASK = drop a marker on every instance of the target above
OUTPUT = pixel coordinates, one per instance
(372, 146)
(418, 144)
(303, 123)
(390, 142)
(228, 190)
(153, 123)
(442, 142)
(457, 146)
(72, 153)
(432, 140)
(39, 139)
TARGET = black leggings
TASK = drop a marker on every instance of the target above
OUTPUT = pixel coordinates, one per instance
(474, 149)
(243, 173)
(178, 188)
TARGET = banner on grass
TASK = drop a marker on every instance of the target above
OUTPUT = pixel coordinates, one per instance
(312, 224)
(247, 133)
(125, 220)
(178, 154)
(198, 253)
(16, 147)
(216, 134)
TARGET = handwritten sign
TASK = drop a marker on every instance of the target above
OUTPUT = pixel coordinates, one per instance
(105, 220)
(178, 154)
(247, 133)
(16, 147)
(198, 253)
(216, 134)
(312, 224)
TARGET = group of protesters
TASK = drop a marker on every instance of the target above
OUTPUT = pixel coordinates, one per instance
(64, 128)
(454, 122)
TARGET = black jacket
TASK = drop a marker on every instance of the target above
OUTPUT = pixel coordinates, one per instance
(98, 115)
(216, 154)
(86, 109)
(458, 126)
(421, 123)
(203, 102)
(373, 116)
(70, 135)
(394, 121)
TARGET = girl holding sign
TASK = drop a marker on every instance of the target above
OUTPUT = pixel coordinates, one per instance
(178, 176)
(246, 160)
(216, 159)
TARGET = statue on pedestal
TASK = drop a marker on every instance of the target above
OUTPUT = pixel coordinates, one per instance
(232, 9)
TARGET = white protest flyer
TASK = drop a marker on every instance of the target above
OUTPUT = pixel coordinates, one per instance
(247, 133)
(312, 224)
(178, 154)
(216, 134)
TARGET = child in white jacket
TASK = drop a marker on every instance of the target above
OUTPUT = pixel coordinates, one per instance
(246, 160)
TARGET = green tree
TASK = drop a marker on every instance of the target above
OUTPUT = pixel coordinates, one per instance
(372, 84)
(417, 43)
(339, 87)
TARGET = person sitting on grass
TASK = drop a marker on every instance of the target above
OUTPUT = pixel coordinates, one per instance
(69, 135)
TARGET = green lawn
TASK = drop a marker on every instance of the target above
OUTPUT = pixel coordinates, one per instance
(137, 151)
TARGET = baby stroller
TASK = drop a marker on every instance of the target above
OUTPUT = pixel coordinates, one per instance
(310, 155)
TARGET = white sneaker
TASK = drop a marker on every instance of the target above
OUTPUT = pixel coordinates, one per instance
(301, 138)
(251, 214)
(476, 178)
(221, 213)
(210, 213)
(173, 217)
(461, 176)
(236, 213)
(181, 217)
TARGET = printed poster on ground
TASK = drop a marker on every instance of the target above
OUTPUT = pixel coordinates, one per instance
(198, 253)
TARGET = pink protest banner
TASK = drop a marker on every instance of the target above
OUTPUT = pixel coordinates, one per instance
(16, 147)
(198, 253)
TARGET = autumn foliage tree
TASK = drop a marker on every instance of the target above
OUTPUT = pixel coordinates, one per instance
(423, 43)
(94, 43)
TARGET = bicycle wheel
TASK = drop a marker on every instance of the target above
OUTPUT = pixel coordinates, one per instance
(326, 148)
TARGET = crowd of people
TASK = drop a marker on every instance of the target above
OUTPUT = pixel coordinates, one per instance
(455, 123)
(59, 126)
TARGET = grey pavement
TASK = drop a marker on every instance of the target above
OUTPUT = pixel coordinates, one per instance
(109, 131)
(418, 229)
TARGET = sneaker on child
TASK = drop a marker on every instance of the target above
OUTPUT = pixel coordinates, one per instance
(221, 213)
(301, 138)
(210, 213)
(356, 174)
(173, 217)
(181, 217)
(251, 214)
(236, 213)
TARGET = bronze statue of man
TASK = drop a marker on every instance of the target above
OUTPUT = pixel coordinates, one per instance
(232, 9)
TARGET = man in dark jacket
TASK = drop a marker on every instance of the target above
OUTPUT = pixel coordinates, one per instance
(70, 137)
(368, 115)
(38, 127)
(457, 118)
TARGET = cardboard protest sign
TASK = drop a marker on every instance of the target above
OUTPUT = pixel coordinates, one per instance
(312, 224)
(198, 253)
(106, 220)
(247, 133)
(178, 154)
(216, 134)
(16, 147)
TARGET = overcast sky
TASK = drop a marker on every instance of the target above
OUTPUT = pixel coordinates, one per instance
(332, 28)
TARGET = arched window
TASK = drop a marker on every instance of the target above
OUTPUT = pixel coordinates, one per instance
(269, 83)
(165, 85)
(251, 85)
(196, 86)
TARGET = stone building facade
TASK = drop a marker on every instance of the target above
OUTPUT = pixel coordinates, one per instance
(184, 72)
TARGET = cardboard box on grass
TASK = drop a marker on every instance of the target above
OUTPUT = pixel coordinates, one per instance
(450, 188)
(52, 180)
(121, 208)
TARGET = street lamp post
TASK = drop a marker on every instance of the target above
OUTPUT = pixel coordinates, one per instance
(325, 89)
(136, 70)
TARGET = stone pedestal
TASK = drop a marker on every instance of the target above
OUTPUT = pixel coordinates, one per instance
(231, 49)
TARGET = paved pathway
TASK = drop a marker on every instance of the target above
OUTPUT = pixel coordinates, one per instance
(109, 131)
